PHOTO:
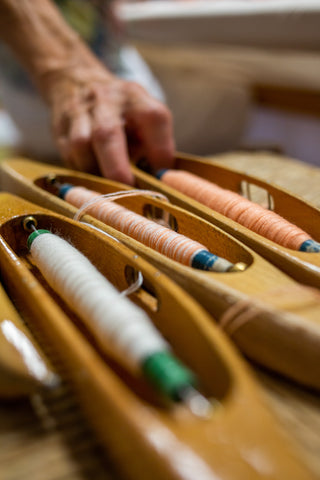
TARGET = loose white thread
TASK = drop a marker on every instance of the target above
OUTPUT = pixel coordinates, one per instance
(162, 239)
(116, 196)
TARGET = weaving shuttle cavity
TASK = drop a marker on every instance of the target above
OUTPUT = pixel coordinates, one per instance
(187, 407)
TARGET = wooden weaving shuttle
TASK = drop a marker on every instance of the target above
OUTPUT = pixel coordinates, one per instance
(279, 319)
(23, 367)
(302, 266)
(147, 437)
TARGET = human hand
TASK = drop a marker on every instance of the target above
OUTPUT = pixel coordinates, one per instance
(100, 120)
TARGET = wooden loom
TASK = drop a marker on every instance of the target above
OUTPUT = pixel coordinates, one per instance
(283, 331)
(130, 420)
(304, 267)
(17, 378)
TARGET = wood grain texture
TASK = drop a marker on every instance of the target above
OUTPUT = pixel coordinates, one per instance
(283, 331)
(297, 409)
(45, 454)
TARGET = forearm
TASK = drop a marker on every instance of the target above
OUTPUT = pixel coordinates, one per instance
(93, 112)
(43, 42)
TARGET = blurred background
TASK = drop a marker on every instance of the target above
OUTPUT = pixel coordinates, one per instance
(241, 74)
(236, 74)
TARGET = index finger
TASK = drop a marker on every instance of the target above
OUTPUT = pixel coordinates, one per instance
(110, 145)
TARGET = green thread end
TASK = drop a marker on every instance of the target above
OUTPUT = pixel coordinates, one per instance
(168, 374)
(35, 234)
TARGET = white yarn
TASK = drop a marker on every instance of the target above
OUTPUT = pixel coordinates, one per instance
(113, 319)
(137, 283)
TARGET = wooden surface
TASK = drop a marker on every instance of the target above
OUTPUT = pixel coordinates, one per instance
(298, 410)
(269, 339)
(300, 178)
(47, 437)
(303, 267)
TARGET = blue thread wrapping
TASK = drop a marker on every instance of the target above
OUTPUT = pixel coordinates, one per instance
(63, 190)
(204, 260)
(310, 246)
(160, 173)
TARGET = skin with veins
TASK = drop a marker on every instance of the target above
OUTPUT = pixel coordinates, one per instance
(98, 119)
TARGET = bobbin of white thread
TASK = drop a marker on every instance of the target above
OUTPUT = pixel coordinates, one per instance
(118, 325)
(138, 282)
(114, 320)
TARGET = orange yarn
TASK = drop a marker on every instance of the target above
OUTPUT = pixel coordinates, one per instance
(251, 215)
(162, 239)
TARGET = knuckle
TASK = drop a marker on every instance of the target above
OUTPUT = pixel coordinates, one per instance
(157, 115)
(133, 89)
(104, 133)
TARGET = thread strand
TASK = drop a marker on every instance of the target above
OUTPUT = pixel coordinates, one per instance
(158, 237)
(118, 325)
(251, 215)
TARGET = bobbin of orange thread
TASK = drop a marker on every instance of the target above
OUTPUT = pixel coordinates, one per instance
(253, 216)
(158, 237)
